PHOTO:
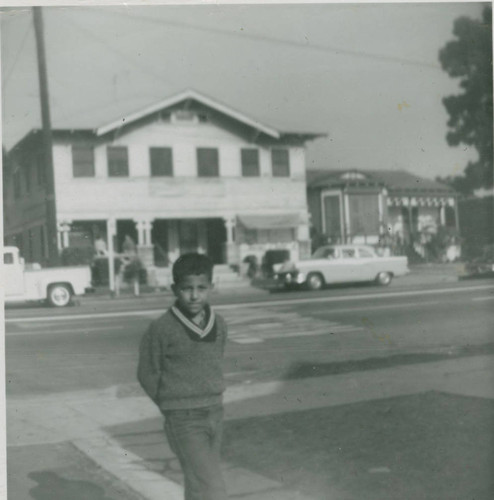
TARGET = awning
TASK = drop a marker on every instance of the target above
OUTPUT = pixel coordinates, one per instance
(282, 221)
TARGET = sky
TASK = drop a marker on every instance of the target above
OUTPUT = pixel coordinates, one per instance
(367, 75)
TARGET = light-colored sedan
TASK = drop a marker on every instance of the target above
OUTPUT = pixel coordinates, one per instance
(341, 264)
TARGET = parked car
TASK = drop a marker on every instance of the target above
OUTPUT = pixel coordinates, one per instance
(341, 264)
(29, 282)
(481, 267)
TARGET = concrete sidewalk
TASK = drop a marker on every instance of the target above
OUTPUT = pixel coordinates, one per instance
(92, 421)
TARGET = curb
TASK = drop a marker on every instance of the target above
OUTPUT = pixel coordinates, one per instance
(129, 469)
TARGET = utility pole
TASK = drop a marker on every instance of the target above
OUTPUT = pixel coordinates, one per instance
(51, 208)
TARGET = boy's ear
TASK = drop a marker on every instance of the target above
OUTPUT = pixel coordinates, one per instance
(174, 288)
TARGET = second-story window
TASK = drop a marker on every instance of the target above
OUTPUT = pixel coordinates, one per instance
(82, 161)
(280, 162)
(27, 176)
(40, 169)
(118, 161)
(161, 160)
(207, 162)
(17, 185)
(250, 162)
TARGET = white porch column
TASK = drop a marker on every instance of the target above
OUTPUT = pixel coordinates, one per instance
(111, 231)
(230, 251)
(348, 229)
(202, 241)
(144, 245)
(63, 229)
(173, 244)
(146, 227)
(442, 214)
(230, 225)
(380, 199)
(140, 232)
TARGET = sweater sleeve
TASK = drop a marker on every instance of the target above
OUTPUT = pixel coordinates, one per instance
(224, 329)
(149, 366)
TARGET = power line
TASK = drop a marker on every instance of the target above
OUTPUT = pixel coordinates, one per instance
(17, 56)
(279, 41)
(124, 56)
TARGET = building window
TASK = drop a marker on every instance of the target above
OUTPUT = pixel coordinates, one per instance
(118, 161)
(27, 176)
(250, 162)
(207, 162)
(161, 160)
(280, 162)
(82, 161)
(17, 185)
(364, 215)
(40, 169)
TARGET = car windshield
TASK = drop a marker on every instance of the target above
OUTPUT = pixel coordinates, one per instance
(324, 253)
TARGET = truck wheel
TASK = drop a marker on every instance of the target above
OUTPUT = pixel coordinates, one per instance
(315, 281)
(59, 295)
(384, 278)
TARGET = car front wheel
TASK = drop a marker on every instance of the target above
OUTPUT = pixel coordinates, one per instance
(59, 295)
(314, 281)
(384, 279)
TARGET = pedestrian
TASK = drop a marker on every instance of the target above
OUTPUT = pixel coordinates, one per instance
(180, 368)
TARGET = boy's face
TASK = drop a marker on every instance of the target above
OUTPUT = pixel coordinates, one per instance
(192, 293)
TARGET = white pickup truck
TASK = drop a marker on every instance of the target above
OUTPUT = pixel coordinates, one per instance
(56, 285)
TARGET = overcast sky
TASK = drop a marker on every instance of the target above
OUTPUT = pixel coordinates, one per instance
(368, 75)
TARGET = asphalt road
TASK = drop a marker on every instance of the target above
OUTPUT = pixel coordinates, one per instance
(349, 393)
(280, 336)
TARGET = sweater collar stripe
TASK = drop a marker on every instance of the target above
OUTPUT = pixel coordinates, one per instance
(192, 326)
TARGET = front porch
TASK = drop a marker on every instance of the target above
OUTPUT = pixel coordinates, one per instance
(159, 242)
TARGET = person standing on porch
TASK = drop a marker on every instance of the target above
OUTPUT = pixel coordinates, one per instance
(180, 369)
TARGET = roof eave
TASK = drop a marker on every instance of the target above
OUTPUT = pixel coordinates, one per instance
(187, 94)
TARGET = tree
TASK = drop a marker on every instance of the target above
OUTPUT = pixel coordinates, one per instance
(469, 57)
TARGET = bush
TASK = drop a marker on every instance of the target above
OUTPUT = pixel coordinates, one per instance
(134, 270)
(100, 270)
(77, 256)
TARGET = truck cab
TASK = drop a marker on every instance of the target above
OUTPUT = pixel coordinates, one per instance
(29, 282)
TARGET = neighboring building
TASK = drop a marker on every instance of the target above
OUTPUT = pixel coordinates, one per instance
(187, 174)
(477, 222)
(378, 206)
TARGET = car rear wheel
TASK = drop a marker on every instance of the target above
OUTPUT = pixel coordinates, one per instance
(315, 281)
(384, 278)
(59, 295)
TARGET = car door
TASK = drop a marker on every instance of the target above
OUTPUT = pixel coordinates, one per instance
(368, 263)
(13, 275)
(328, 264)
(349, 266)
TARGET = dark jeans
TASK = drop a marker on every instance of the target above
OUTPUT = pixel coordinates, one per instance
(195, 437)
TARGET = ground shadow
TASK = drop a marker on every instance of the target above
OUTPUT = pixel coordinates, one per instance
(51, 486)
(305, 370)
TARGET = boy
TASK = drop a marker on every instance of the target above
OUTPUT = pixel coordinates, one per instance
(180, 368)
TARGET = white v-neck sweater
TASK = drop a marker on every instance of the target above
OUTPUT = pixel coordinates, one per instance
(177, 368)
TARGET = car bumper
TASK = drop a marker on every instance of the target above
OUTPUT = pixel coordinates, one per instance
(290, 279)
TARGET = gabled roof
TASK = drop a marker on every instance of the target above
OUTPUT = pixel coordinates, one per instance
(188, 97)
(396, 181)
(193, 95)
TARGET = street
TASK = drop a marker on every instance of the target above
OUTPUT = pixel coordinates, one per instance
(305, 372)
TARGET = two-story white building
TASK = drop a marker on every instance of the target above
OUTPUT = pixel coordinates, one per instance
(186, 174)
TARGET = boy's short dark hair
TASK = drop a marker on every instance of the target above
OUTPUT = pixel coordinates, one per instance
(192, 264)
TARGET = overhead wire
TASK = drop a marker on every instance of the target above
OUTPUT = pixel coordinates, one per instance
(17, 56)
(121, 54)
(268, 39)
